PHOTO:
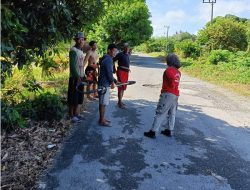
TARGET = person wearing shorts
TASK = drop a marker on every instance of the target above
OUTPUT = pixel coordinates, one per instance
(76, 64)
(106, 81)
(91, 69)
(122, 71)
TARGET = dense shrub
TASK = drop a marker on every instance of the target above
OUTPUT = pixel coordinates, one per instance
(188, 48)
(48, 107)
(45, 106)
(217, 56)
(152, 45)
(224, 33)
(10, 117)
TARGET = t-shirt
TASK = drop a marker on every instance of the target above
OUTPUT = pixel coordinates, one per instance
(123, 59)
(106, 71)
(171, 79)
(76, 58)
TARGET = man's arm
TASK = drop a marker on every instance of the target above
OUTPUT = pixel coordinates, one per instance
(86, 58)
(114, 60)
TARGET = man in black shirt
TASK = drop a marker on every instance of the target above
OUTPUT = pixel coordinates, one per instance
(122, 72)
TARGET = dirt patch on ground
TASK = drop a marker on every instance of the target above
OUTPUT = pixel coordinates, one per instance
(27, 152)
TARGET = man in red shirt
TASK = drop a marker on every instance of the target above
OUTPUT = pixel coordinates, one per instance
(168, 102)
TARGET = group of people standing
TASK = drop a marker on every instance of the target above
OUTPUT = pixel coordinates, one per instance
(101, 74)
(98, 72)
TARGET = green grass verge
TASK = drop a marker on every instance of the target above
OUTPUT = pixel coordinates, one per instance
(234, 77)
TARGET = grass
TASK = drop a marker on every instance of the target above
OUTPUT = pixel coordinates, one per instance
(227, 76)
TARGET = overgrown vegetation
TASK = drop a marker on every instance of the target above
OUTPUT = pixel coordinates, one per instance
(34, 58)
(220, 53)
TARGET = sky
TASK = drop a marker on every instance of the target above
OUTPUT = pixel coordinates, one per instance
(191, 15)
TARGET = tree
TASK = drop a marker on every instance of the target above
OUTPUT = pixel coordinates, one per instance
(183, 36)
(124, 21)
(224, 33)
(248, 35)
(30, 27)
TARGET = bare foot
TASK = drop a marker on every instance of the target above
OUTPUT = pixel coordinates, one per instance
(122, 106)
(91, 98)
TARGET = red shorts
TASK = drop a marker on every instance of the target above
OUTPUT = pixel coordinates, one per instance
(122, 76)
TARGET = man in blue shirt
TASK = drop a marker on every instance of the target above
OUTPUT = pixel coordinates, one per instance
(106, 80)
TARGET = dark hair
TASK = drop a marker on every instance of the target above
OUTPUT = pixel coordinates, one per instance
(111, 46)
(92, 43)
(173, 60)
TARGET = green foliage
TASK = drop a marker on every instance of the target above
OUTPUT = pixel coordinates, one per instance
(10, 117)
(248, 35)
(236, 18)
(164, 44)
(217, 56)
(224, 33)
(29, 28)
(23, 98)
(170, 45)
(21, 85)
(123, 21)
(156, 44)
(224, 67)
(183, 36)
(41, 24)
(187, 48)
(152, 45)
(47, 107)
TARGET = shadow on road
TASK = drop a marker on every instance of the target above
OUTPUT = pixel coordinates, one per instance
(121, 167)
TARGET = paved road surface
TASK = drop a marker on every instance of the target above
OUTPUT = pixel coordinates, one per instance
(210, 150)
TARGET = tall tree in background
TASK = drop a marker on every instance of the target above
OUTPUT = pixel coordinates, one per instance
(124, 21)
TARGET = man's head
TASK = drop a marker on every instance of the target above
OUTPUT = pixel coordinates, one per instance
(80, 39)
(93, 45)
(112, 50)
(173, 60)
(126, 47)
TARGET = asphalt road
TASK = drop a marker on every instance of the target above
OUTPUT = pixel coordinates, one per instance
(210, 149)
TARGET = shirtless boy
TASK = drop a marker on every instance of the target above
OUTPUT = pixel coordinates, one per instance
(91, 69)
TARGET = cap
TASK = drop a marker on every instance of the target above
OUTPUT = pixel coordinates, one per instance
(126, 45)
(79, 35)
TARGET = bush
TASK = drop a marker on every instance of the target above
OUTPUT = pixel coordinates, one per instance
(188, 48)
(152, 45)
(217, 56)
(10, 117)
(241, 59)
(170, 46)
(48, 107)
(45, 106)
(187, 62)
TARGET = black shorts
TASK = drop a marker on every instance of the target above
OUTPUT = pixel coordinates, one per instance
(74, 97)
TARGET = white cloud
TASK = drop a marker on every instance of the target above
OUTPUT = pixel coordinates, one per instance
(171, 18)
(191, 16)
